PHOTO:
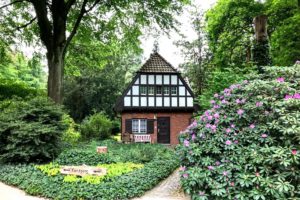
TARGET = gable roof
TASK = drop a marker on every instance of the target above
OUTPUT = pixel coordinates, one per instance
(157, 64)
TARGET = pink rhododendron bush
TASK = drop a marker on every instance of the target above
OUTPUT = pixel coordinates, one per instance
(247, 146)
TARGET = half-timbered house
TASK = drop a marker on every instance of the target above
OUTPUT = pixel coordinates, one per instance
(157, 104)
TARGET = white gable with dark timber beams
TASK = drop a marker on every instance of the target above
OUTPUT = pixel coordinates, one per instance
(157, 85)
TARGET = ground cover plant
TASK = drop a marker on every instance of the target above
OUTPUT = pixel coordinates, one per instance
(247, 145)
(132, 170)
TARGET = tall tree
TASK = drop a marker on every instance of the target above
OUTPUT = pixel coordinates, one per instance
(56, 22)
(261, 47)
(196, 54)
(230, 30)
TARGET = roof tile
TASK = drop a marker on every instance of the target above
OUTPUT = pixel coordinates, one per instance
(157, 64)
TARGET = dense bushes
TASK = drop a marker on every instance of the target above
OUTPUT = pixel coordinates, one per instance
(247, 145)
(30, 131)
(96, 126)
(11, 88)
(128, 185)
(136, 153)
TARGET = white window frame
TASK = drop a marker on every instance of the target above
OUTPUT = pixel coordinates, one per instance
(160, 89)
(144, 90)
(151, 90)
(174, 87)
(166, 90)
(139, 126)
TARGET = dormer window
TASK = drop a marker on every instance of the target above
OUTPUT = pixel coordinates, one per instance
(174, 90)
(151, 90)
(158, 90)
(143, 90)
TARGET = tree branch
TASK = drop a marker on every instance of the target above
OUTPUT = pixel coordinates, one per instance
(76, 25)
(43, 22)
(27, 24)
(69, 4)
(11, 3)
(82, 12)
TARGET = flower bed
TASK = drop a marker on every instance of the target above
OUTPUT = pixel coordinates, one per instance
(247, 145)
(124, 179)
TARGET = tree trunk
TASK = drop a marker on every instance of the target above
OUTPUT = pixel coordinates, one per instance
(55, 77)
(260, 27)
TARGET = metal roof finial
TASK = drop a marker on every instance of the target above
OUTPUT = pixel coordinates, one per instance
(155, 47)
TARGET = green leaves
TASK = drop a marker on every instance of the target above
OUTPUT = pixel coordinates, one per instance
(30, 130)
(247, 143)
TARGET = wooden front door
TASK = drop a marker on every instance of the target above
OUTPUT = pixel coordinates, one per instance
(163, 130)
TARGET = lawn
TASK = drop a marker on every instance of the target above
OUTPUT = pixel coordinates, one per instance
(132, 169)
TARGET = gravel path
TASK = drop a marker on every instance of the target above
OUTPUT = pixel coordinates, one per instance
(168, 189)
(12, 193)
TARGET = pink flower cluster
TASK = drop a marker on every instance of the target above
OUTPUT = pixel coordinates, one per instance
(280, 80)
(295, 96)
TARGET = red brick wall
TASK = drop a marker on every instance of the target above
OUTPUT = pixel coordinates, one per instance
(178, 122)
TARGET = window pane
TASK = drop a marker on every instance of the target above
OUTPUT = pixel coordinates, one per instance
(158, 90)
(143, 90)
(174, 90)
(151, 90)
(135, 125)
(166, 90)
(143, 126)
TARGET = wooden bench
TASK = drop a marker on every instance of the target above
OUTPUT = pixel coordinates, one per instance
(142, 138)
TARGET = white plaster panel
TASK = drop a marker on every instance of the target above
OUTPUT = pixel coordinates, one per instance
(181, 101)
(143, 101)
(129, 92)
(174, 80)
(174, 101)
(135, 101)
(158, 79)
(188, 93)
(180, 82)
(166, 79)
(158, 101)
(181, 90)
(151, 101)
(143, 79)
(166, 101)
(151, 79)
(127, 101)
(190, 101)
(135, 90)
(137, 81)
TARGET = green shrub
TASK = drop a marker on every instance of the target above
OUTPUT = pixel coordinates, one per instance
(11, 88)
(30, 131)
(218, 80)
(97, 126)
(52, 185)
(136, 153)
(71, 136)
(247, 145)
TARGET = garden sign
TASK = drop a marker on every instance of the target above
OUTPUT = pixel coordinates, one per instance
(83, 170)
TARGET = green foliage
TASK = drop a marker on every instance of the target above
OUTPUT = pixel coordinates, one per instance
(96, 126)
(218, 80)
(13, 88)
(122, 183)
(230, 30)
(30, 130)
(136, 153)
(15, 67)
(114, 169)
(261, 54)
(246, 146)
(229, 27)
(71, 136)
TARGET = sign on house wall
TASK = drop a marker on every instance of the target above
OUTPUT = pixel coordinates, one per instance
(83, 170)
